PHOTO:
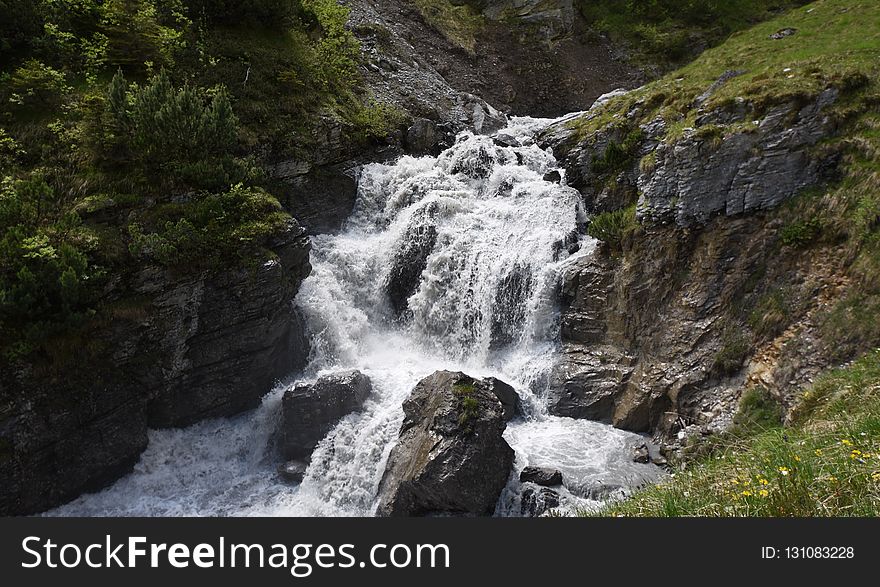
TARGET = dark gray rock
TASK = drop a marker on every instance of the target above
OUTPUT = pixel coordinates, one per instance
(408, 263)
(553, 176)
(535, 502)
(320, 197)
(451, 457)
(508, 397)
(422, 137)
(293, 471)
(543, 476)
(503, 140)
(695, 178)
(509, 309)
(309, 412)
(641, 454)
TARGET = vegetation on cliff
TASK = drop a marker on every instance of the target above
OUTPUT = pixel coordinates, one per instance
(823, 460)
(138, 131)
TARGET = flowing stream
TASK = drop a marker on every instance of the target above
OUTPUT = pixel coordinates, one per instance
(448, 262)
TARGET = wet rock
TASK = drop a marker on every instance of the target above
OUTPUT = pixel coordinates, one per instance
(293, 471)
(641, 454)
(508, 397)
(604, 491)
(543, 476)
(451, 457)
(408, 264)
(189, 347)
(553, 176)
(309, 412)
(509, 309)
(535, 502)
(503, 140)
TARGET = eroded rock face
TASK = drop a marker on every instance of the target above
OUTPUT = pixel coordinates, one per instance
(692, 181)
(451, 457)
(309, 412)
(656, 334)
(185, 349)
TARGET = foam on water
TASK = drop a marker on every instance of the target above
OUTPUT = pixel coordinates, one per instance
(493, 237)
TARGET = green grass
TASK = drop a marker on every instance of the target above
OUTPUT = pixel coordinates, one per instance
(668, 32)
(459, 24)
(826, 463)
(469, 409)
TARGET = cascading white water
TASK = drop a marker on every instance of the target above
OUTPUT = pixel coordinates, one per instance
(448, 262)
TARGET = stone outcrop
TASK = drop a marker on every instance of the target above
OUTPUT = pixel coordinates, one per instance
(182, 350)
(656, 333)
(451, 458)
(694, 178)
(309, 412)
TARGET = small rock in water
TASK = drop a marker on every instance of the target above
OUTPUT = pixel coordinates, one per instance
(543, 476)
(642, 455)
(293, 471)
(553, 176)
(503, 140)
(535, 503)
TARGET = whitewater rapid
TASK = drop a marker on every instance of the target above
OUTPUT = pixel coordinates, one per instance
(493, 231)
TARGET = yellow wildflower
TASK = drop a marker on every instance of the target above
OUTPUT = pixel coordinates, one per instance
(818, 452)
(785, 471)
(763, 482)
(846, 442)
(763, 493)
(747, 493)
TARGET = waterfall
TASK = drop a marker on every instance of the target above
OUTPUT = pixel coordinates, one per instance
(448, 262)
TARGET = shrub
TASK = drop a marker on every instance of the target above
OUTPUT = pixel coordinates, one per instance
(212, 229)
(612, 227)
(36, 84)
(800, 234)
(734, 350)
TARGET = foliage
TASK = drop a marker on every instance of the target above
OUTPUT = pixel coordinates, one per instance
(458, 22)
(470, 406)
(734, 350)
(612, 227)
(209, 230)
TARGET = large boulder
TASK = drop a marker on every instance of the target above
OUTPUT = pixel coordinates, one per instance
(309, 412)
(451, 457)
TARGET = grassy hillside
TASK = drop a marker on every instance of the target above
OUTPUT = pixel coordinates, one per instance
(136, 131)
(665, 33)
(825, 461)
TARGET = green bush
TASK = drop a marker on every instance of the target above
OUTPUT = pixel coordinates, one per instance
(612, 227)
(35, 85)
(209, 230)
(734, 350)
(800, 234)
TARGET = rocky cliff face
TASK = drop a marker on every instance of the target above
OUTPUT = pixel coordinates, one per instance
(666, 327)
(188, 349)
